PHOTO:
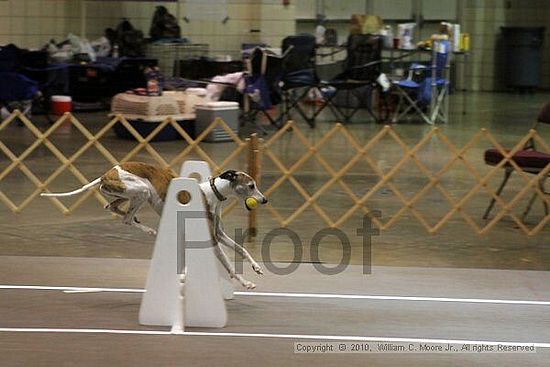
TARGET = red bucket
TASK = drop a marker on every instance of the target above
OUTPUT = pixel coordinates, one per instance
(61, 104)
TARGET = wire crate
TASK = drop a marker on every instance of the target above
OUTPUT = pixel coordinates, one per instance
(168, 54)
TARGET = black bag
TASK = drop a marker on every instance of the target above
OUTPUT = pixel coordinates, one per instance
(130, 41)
(164, 25)
(9, 58)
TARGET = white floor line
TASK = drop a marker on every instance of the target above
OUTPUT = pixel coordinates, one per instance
(72, 289)
(393, 298)
(297, 295)
(277, 336)
(82, 331)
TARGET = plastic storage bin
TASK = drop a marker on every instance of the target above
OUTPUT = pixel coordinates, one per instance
(208, 112)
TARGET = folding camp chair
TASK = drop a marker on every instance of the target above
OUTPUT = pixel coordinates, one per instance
(426, 88)
(262, 90)
(17, 92)
(299, 78)
(362, 68)
(529, 159)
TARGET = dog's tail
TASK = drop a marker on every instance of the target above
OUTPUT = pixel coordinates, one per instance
(75, 192)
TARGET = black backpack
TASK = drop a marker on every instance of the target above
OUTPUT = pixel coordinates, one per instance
(164, 25)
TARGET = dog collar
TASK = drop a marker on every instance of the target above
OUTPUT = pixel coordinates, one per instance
(216, 192)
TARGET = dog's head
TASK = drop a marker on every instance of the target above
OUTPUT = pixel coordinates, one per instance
(243, 186)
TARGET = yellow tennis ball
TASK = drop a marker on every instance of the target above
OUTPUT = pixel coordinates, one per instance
(251, 203)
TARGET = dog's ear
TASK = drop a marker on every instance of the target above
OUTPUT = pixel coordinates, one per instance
(229, 175)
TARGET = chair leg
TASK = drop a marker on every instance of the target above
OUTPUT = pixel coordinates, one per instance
(288, 105)
(250, 117)
(344, 110)
(385, 107)
(441, 106)
(545, 203)
(533, 198)
(507, 174)
(285, 115)
(368, 107)
(446, 102)
(347, 111)
(528, 207)
(336, 111)
(435, 107)
(381, 103)
(328, 101)
(396, 114)
(412, 104)
(309, 119)
(291, 103)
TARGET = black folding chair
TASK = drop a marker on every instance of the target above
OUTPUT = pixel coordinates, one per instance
(529, 159)
(362, 67)
(299, 77)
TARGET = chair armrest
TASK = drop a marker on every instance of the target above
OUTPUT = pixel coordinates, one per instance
(367, 65)
(416, 66)
(338, 50)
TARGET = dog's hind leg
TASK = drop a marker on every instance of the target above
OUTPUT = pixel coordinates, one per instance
(130, 219)
(113, 207)
(227, 265)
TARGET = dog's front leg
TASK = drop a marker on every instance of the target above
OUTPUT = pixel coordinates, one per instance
(228, 241)
(227, 265)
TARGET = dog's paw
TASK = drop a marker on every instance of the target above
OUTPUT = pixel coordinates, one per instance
(258, 269)
(152, 232)
(249, 285)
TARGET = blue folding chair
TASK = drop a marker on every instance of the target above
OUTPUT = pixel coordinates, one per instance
(426, 88)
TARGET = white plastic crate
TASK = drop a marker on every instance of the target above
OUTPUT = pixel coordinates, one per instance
(206, 113)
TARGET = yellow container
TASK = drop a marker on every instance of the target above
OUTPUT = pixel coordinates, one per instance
(464, 41)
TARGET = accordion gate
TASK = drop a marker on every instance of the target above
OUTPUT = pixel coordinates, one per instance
(68, 163)
(384, 178)
(258, 150)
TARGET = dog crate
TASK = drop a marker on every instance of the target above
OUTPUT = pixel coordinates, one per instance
(89, 83)
(169, 54)
(145, 113)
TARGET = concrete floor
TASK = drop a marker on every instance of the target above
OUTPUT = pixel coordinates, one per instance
(445, 265)
(43, 327)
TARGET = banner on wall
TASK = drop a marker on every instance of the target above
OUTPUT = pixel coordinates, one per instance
(149, 1)
(215, 10)
(145, 1)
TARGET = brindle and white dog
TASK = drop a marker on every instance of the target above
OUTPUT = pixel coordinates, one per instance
(137, 183)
